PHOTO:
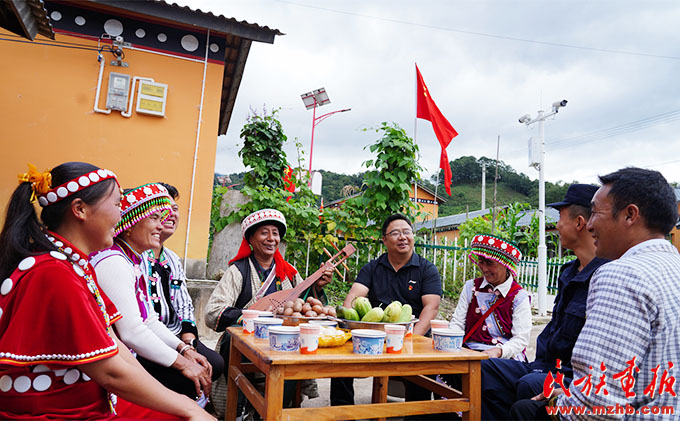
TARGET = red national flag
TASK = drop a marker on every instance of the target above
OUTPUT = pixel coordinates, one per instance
(289, 181)
(428, 110)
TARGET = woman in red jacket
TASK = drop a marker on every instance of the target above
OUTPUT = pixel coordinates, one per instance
(59, 357)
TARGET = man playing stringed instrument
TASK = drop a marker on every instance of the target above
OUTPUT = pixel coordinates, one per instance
(257, 271)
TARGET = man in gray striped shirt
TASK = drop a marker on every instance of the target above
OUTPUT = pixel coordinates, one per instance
(626, 357)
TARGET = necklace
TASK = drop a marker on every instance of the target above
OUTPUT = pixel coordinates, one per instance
(82, 268)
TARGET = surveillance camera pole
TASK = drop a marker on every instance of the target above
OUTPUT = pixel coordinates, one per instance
(542, 248)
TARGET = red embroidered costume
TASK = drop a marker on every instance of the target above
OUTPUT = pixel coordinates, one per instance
(53, 318)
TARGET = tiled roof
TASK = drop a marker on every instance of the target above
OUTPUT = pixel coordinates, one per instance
(27, 18)
(206, 20)
(453, 221)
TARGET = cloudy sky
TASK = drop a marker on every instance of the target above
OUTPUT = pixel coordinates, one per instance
(486, 63)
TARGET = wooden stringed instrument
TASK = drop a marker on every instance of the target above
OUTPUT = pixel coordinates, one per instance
(273, 301)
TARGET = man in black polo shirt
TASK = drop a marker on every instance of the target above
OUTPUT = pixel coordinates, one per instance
(398, 275)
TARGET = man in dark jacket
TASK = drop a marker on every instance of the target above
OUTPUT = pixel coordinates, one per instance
(506, 381)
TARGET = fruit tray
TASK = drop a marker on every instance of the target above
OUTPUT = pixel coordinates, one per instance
(351, 324)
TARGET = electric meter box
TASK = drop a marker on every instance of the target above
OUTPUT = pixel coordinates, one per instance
(151, 98)
(119, 89)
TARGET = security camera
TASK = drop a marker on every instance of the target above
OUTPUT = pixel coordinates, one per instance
(559, 104)
(525, 119)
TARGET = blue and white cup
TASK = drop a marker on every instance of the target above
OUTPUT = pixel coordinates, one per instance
(448, 340)
(368, 341)
(284, 338)
(262, 325)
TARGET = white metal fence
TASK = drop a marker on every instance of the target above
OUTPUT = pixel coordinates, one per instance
(451, 259)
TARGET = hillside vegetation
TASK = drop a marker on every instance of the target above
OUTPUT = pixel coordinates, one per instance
(468, 197)
(465, 189)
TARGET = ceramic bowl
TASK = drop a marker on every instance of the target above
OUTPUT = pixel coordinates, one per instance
(284, 338)
(447, 339)
(262, 325)
(324, 323)
(297, 320)
(368, 341)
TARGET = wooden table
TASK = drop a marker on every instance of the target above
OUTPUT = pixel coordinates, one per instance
(417, 359)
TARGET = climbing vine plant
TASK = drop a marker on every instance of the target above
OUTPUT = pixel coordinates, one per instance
(391, 174)
(262, 150)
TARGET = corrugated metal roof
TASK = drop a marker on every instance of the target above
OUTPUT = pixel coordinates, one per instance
(420, 187)
(27, 18)
(452, 221)
(196, 17)
(210, 14)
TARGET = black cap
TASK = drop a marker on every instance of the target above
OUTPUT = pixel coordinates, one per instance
(577, 194)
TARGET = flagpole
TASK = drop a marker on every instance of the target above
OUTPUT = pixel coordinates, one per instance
(415, 128)
(435, 213)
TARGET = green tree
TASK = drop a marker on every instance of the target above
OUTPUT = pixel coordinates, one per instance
(464, 170)
(262, 151)
(474, 226)
(333, 184)
(388, 180)
(554, 192)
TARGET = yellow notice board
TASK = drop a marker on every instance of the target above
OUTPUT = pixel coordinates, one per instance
(151, 98)
(147, 104)
(153, 90)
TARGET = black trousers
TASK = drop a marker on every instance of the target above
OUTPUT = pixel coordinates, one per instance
(175, 380)
(342, 391)
(289, 386)
(526, 409)
(215, 359)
